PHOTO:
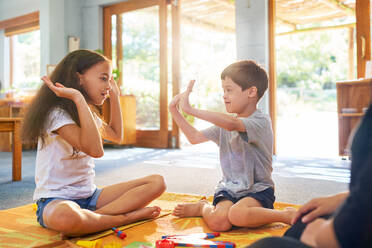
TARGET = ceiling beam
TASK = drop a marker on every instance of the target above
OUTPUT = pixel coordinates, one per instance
(286, 23)
(339, 6)
(317, 29)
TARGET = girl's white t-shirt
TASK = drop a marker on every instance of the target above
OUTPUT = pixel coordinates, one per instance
(62, 171)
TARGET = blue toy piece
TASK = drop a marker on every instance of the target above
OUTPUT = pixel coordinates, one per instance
(119, 233)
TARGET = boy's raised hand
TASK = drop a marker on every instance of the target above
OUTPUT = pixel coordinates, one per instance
(190, 86)
(173, 105)
(185, 103)
(60, 90)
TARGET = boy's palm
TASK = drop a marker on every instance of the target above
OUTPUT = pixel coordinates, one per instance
(185, 103)
(190, 86)
(175, 101)
(60, 90)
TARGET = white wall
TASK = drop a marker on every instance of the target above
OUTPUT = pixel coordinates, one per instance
(10, 9)
(252, 35)
(92, 34)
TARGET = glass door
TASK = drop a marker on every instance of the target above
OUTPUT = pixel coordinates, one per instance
(136, 40)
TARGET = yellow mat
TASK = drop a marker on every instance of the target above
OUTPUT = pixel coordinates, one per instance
(19, 228)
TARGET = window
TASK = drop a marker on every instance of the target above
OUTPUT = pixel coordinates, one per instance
(25, 59)
(22, 59)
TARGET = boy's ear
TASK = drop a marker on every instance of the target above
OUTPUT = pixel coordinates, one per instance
(252, 91)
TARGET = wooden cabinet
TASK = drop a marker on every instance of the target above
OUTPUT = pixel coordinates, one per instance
(353, 99)
(128, 111)
(9, 109)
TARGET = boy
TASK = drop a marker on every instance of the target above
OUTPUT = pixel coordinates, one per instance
(245, 195)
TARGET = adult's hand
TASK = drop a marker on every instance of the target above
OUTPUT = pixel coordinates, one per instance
(318, 207)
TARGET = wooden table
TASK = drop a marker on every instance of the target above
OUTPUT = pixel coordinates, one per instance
(10, 124)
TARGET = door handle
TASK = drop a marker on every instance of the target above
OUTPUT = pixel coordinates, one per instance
(363, 40)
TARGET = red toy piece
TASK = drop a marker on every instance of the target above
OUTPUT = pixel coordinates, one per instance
(193, 240)
(164, 243)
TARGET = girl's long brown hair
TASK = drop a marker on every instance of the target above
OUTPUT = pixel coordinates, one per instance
(45, 100)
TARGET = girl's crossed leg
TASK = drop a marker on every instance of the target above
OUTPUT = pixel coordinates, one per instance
(118, 204)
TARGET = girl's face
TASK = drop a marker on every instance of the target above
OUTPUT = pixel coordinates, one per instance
(96, 82)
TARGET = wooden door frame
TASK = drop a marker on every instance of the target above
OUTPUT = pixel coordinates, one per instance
(272, 70)
(363, 35)
(150, 138)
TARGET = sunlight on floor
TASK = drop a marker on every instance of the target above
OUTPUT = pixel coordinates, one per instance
(311, 134)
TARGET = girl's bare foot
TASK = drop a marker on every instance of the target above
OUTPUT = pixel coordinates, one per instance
(189, 209)
(141, 214)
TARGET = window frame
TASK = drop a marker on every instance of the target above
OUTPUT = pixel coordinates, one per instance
(18, 25)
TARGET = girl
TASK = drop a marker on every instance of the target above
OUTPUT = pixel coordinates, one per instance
(69, 136)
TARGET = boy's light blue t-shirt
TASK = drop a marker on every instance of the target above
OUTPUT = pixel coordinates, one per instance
(245, 157)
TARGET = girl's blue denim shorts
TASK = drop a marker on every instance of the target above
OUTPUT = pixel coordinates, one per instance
(86, 203)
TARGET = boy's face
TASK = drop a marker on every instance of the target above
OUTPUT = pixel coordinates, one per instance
(236, 100)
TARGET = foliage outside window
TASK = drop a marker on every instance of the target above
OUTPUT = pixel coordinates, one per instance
(26, 61)
(308, 67)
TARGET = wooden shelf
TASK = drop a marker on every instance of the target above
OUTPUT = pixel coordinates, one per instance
(351, 114)
(356, 95)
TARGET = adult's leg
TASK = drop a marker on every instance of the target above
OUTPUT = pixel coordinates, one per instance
(129, 196)
(278, 242)
(248, 212)
(67, 217)
(215, 216)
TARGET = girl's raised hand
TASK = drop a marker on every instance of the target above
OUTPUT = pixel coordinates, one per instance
(60, 90)
(114, 87)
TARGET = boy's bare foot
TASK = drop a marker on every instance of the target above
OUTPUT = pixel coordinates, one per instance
(141, 214)
(289, 214)
(189, 209)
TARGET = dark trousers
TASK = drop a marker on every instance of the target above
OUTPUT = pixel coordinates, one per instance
(278, 242)
(290, 239)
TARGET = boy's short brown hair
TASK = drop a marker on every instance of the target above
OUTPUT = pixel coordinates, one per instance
(247, 73)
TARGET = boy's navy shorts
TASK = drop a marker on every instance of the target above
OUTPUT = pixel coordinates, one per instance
(265, 197)
(86, 203)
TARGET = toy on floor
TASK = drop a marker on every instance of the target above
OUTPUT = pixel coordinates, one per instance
(193, 240)
(119, 233)
(89, 244)
(113, 245)
(194, 235)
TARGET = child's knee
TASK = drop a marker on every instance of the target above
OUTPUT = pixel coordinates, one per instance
(235, 215)
(159, 183)
(219, 223)
(64, 218)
